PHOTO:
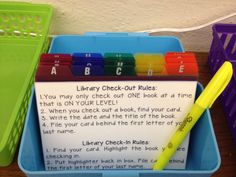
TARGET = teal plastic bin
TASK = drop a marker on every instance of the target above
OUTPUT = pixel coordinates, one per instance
(203, 155)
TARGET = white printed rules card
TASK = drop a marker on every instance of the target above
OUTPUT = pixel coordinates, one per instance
(111, 124)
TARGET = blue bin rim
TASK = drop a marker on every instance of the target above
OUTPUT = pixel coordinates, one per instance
(125, 35)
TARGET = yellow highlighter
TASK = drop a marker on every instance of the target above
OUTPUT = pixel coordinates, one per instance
(204, 101)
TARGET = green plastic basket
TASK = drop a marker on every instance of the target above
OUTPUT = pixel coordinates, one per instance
(23, 37)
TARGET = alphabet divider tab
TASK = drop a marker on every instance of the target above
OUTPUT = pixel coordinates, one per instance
(149, 64)
(87, 64)
(54, 73)
(50, 59)
(54, 67)
(119, 64)
(180, 57)
(85, 58)
(119, 59)
(111, 70)
(182, 69)
(181, 63)
(156, 70)
(87, 70)
(149, 59)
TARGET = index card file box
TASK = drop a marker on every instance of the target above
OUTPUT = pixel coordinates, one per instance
(203, 157)
(223, 48)
(23, 36)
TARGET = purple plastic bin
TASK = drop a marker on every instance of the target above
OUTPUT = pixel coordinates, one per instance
(223, 48)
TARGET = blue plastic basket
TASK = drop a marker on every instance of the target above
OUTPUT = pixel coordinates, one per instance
(203, 155)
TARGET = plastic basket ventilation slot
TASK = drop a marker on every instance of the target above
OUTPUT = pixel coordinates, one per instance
(22, 24)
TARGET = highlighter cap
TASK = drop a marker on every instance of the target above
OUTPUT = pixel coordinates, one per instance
(216, 86)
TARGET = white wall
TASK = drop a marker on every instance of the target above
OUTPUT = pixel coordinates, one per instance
(79, 16)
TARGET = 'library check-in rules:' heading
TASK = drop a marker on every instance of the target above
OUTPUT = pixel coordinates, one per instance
(112, 124)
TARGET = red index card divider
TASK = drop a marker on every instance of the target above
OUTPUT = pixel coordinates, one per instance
(181, 64)
(54, 67)
(57, 59)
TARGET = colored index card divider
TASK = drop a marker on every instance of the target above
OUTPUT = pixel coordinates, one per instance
(85, 58)
(119, 71)
(87, 70)
(149, 59)
(119, 64)
(178, 57)
(50, 59)
(149, 64)
(182, 69)
(120, 59)
(54, 73)
(54, 67)
(181, 64)
(87, 64)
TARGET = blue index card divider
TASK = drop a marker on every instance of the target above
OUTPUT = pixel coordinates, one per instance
(87, 64)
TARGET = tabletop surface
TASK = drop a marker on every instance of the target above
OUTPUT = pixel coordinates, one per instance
(223, 135)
